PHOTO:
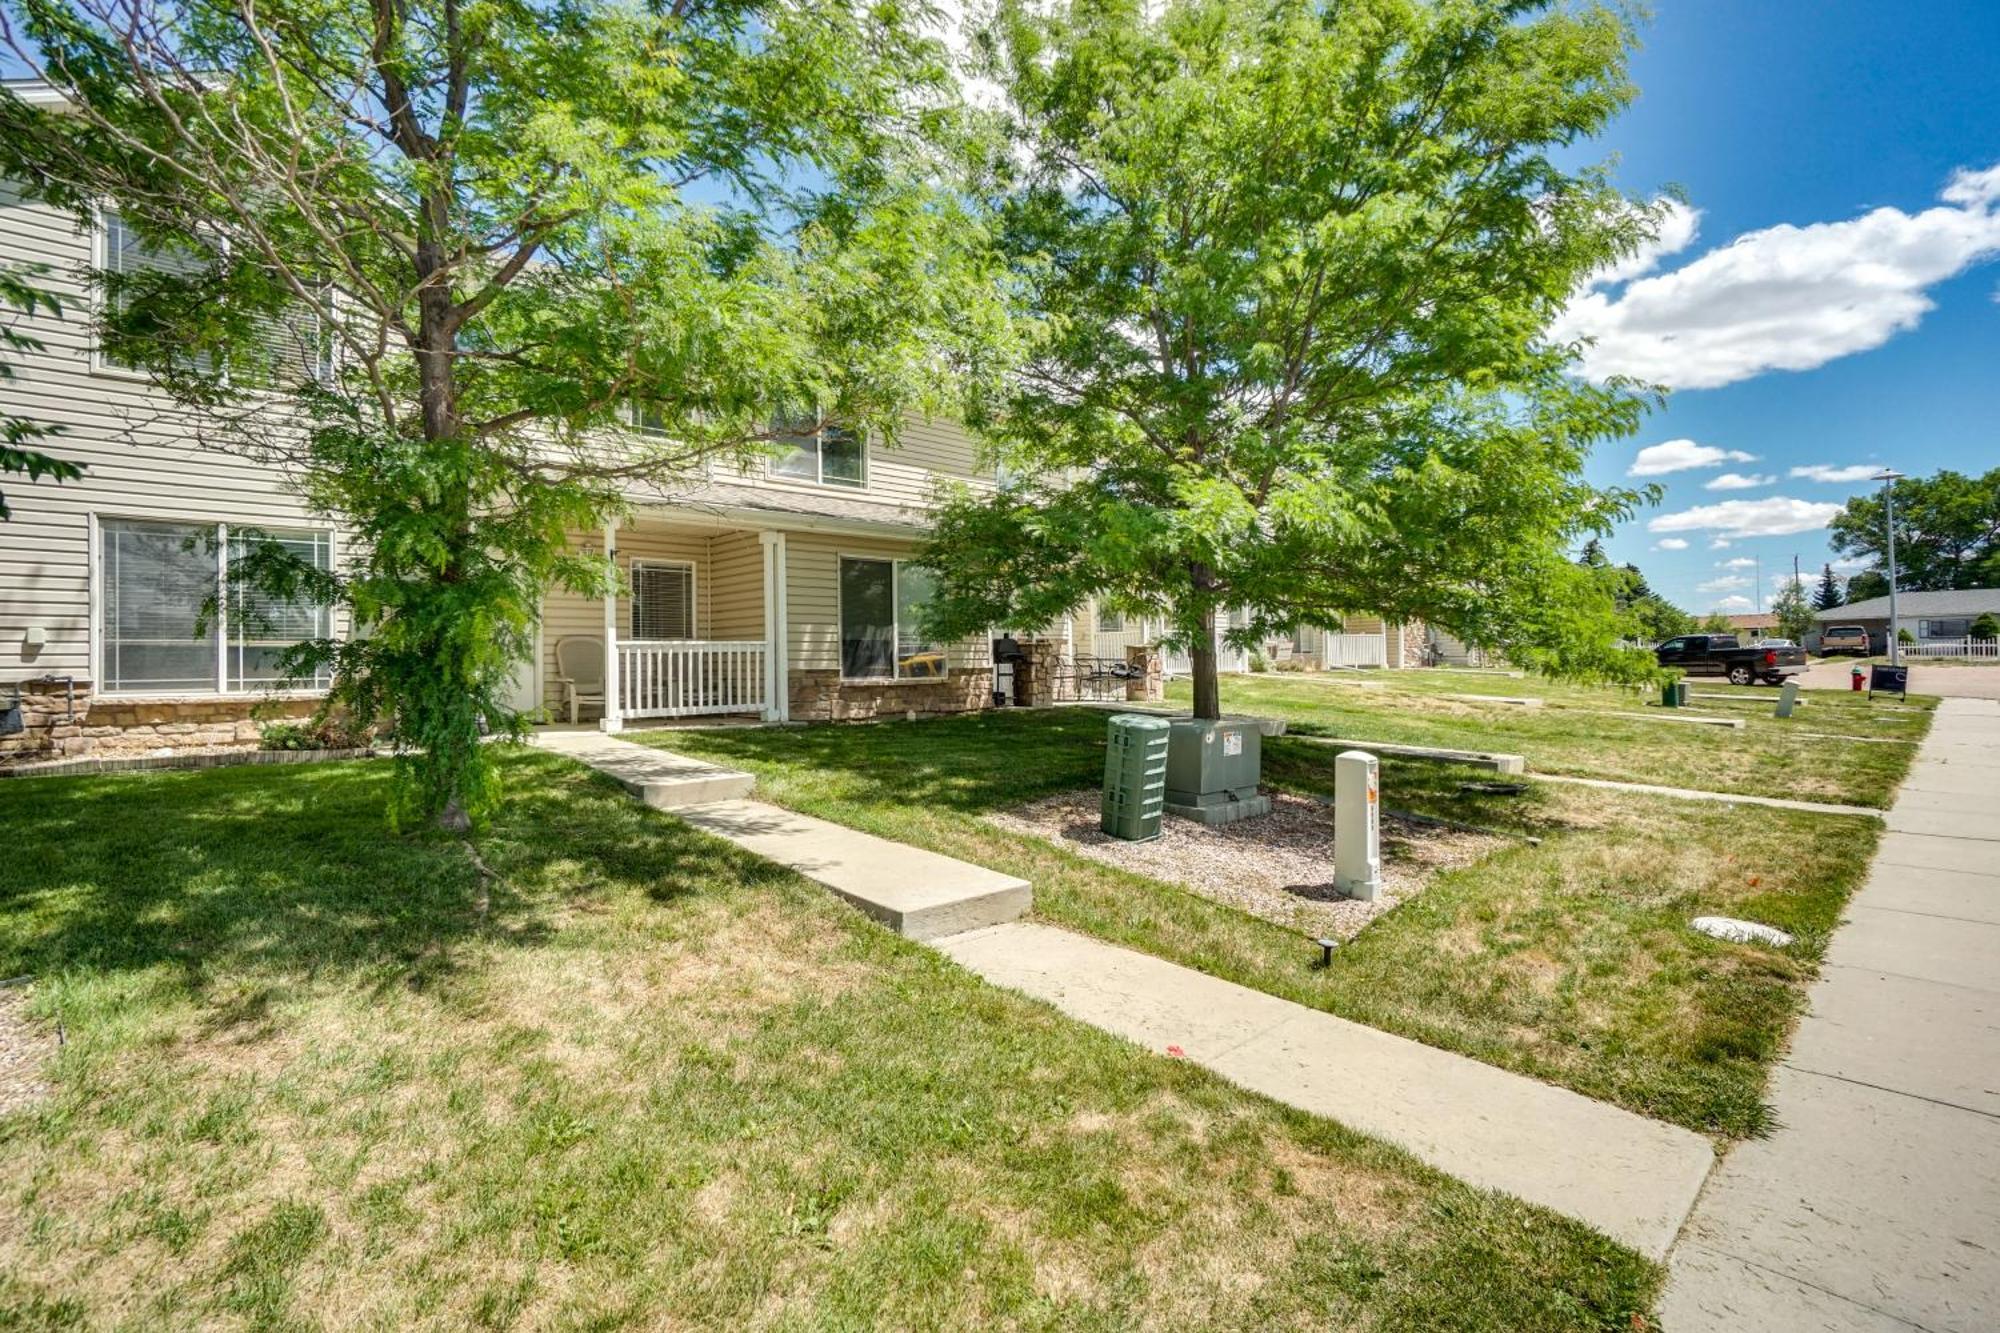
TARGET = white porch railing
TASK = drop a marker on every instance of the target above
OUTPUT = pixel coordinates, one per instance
(1354, 650)
(691, 677)
(1983, 650)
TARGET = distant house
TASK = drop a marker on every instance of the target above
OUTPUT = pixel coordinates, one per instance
(1932, 618)
(1763, 623)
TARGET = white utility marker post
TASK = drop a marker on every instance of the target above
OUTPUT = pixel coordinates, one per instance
(1788, 698)
(614, 710)
(1357, 825)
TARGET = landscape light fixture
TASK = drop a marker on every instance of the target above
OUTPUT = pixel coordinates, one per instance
(1888, 476)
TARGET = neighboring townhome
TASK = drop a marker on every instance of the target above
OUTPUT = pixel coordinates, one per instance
(785, 590)
(1363, 640)
(1940, 624)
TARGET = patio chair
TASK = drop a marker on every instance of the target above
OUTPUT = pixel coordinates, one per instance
(580, 671)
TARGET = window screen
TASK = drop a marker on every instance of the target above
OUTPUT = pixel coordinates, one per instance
(662, 601)
(262, 629)
(830, 455)
(915, 654)
(867, 618)
(156, 577)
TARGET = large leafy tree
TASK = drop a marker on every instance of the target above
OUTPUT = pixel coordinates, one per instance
(1297, 262)
(430, 253)
(1649, 617)
(1947, 534)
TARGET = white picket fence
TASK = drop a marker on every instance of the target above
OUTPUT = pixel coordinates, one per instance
(1354, 650)
(1976, 650)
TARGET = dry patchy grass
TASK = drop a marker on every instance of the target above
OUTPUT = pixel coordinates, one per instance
(655, 1083)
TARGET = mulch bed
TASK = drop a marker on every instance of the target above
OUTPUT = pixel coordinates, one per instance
(1278, 867)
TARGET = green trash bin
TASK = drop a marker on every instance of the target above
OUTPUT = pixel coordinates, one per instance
(1674, 694)
(1135, 777)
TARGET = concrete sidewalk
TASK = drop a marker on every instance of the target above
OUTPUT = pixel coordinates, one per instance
(1628, 1176)
(1876, 1204)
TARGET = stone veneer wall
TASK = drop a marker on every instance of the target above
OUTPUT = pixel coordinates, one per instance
(1413, 635)
(100, 726)
(822, 696)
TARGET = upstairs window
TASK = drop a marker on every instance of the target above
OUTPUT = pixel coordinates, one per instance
(292, 345)
(645, 418)
(1110, 621)
(826, 455)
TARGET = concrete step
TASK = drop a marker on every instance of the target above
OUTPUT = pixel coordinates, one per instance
(916, 893)
(660, 778)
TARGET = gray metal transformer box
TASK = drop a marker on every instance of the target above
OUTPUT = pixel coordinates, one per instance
(1212, 770)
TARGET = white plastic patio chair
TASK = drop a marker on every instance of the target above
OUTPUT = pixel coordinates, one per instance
(580, 671)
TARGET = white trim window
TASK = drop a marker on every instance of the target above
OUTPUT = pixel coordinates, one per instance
(879, 604)
(1110, 621)
(826, 455)
(662, 599)
(646, 418)
(291, 346)
(156, 577)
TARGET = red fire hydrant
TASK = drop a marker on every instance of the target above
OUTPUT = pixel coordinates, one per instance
(1855, 678)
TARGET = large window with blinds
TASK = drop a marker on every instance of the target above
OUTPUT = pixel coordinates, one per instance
(662, 600)
(880, 606)
(157, 579)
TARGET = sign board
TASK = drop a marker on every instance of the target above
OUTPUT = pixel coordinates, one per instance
(1888, 679)
(1232, 742)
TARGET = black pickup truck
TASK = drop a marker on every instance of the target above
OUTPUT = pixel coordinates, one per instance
(1722, 655)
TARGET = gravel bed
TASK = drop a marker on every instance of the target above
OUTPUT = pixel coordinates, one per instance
(24, 1049)
(1278, 867)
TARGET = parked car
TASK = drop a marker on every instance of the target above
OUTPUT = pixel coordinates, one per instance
(1722, 655)
(1837, 639)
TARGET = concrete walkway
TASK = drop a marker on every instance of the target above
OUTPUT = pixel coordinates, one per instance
(1726, 798)
(1876, 1204)
(1628, 1176)
(914, 892)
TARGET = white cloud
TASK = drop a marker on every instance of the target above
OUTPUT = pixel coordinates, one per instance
(1850, 565)
(1727, 583)
(1828, 472)
(1774, 516)
(1657, 460)
(1787, 297)
(1671, 544)
(1736, 481)
(1720, 544)
(1727, 604)
(1740, 562)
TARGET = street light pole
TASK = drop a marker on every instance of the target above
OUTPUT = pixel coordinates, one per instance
(1889, 477)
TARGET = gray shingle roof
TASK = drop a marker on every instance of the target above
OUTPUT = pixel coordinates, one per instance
(1968, 602)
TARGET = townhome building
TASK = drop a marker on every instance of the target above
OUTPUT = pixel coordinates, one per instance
(784, 589)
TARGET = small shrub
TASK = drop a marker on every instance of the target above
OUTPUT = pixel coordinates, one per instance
(1257, 661)
(1904, 636)
(310, 734)
(1292, 664)
(1986, 627)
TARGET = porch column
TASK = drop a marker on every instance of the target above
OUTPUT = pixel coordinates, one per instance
(614, 717)
(777, 622)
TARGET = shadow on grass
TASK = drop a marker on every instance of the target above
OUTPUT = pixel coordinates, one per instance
(260, 874)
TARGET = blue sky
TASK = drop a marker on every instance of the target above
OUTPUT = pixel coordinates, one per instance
(1812, 115)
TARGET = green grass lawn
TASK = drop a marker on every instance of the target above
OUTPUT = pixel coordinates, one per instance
(319, 1075)
(1570, 961)
(1576, 731)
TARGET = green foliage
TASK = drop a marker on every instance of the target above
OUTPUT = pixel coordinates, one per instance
(1987, 626)
(1794, 612)
(17, 433)
(439, 316)
(1827, 594)
(1715, 623)
(1297, 265)
(1903, 635)
(1947, 533)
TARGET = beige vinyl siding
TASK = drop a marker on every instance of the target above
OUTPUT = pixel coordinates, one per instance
(812, 564)
(903, 473)
(140, 454)
(736, 586)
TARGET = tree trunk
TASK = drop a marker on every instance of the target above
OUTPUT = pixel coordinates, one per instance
(453, 819)
(1201, 657)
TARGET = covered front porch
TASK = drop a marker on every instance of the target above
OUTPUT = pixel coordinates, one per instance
(696, 630)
